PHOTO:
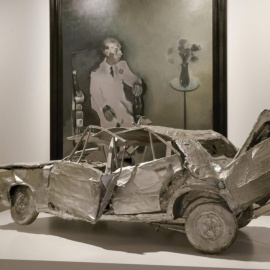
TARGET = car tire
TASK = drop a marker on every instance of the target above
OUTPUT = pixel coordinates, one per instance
(211, 228)
(23, 209)
(245, 217)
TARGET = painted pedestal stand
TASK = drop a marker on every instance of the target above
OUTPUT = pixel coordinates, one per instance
(193, 85)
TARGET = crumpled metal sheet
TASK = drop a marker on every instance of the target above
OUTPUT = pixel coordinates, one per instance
(180, 134)
(6, 180)
(128, 136)
(26, 165)
(35, 179)
(152, 217)
(32, 178)
(263, 118)
(146, 182)
(75, 189)
(248, 177)
(197, 159)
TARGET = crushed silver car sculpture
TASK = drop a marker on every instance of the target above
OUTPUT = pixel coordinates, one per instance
(190, 181)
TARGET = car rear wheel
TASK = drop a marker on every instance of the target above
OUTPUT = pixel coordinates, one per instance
(23, 209)
(211, 228)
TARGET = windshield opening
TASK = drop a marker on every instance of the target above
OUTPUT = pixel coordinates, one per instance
(218, 148)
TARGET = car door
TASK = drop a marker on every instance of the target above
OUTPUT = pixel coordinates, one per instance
(146, 182)
(248, 176)
(74, 189)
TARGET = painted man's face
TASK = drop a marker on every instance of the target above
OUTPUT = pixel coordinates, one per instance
(113, 53)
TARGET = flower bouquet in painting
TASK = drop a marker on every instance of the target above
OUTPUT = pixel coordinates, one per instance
(187, 55)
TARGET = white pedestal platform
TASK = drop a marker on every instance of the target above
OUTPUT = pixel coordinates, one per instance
(54, 243)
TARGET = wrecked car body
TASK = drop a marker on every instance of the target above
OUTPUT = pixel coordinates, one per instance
(190, 181)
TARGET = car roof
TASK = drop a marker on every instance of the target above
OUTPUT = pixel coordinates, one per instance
(140, 135)
(180, 134)
(188, 141)
(128, 136)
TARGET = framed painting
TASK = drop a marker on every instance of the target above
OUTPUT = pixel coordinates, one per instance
(113, 61)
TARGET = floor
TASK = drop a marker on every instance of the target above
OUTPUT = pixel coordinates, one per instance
(51, 239)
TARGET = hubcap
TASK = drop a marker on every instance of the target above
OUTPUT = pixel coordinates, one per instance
(21, 203)
(209, 226)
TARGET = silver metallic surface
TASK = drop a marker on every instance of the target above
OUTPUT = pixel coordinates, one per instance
(141, 193)
(148, 174)
(74, 189)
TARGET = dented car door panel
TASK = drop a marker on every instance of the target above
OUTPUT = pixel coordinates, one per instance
(74, 189)
(142, 191)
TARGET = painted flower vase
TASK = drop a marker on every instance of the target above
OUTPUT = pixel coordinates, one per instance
(184, 75)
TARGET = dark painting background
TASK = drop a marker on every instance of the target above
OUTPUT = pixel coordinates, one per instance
(148, 31)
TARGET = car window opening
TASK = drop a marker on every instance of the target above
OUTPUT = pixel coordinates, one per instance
(218, 148)
(84, 147)
(109, 152)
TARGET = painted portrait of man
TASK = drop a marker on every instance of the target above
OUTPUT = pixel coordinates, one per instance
(124, 63)
(107, 83)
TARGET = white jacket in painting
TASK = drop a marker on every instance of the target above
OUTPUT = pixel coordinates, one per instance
(108, 90)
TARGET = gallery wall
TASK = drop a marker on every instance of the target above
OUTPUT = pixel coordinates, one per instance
(24, 69)
(248, 65)
(24, 81)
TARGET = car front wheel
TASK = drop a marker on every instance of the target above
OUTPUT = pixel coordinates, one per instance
(211, 228)
(23, 209)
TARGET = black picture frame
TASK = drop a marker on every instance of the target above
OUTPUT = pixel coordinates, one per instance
(56, 74)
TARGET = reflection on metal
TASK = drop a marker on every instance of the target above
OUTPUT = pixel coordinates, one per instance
(25, 165)
(152, 148)
(159, 175)
(146, 182)
(259, 132)
(140, 218)
(84, 147)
